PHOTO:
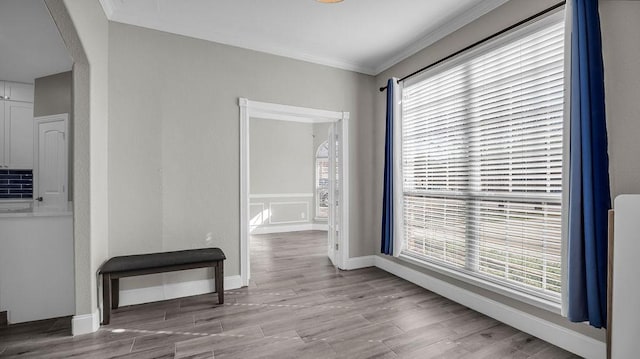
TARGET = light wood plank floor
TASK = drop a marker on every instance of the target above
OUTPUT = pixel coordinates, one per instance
(297, 306)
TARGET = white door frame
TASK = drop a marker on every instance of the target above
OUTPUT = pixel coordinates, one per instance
(271, 111)
(36, 148)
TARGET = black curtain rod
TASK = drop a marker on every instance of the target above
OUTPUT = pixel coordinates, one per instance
(519, 23)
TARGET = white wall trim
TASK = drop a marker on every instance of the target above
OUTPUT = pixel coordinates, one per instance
(290, 228)
(562, 337)
(319, 227)
(360, 262)
(175, 290)
(85, 323)
(262, 110)
(281, 195)
(274, 111)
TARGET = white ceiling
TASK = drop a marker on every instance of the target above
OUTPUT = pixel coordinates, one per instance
(366, 36)
(30, 44)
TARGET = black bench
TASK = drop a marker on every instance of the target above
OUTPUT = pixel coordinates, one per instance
(129, 266)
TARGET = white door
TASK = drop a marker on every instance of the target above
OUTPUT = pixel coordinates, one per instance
(335, 192)
(51, 159)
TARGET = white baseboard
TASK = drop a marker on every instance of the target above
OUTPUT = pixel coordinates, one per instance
(562, 337)
(360, 262)
(290, 228)
(319, 227)
(175, 290)
(85, 323)
(232, 282)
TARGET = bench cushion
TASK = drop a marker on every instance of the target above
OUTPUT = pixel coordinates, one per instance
(164, 259)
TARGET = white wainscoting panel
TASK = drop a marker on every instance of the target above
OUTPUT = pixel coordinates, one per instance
(289, 212)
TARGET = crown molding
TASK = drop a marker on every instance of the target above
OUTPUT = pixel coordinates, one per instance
(451, 26)
(110, 8)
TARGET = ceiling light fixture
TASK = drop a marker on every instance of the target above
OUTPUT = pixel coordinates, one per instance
(329, 1)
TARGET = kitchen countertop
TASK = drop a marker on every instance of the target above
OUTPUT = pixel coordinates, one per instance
(38, 211)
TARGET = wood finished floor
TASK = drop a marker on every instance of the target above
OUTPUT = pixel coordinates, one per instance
(297, 306)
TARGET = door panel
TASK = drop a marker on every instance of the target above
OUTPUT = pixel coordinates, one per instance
(52, 162)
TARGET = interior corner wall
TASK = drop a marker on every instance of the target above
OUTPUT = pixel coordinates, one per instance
(498, 19)
(174, 139)
(84, 29)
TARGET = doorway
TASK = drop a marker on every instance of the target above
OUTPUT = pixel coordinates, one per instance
(36, 82)
(337, 224)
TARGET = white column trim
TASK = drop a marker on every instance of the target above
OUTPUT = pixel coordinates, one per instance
(85, 323)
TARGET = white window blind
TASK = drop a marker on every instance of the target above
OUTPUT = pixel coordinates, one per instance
(482, 161)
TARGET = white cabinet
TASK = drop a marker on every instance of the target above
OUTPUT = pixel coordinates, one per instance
(15, 91)
(16, 125)
(16, 120)
(36, 267)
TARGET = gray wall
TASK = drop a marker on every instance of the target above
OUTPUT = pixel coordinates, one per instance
(504, 16)
(53, 96)
(280, 153)
(174, 139)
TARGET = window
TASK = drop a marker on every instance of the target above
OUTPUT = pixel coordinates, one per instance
(482, 161)
(322, 181)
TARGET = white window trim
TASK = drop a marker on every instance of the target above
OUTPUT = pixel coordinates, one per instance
(483, 283)
(502, 288)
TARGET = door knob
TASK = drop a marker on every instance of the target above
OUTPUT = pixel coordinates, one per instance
(39, 199)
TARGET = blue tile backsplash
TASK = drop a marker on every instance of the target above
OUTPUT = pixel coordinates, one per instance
(16, 184)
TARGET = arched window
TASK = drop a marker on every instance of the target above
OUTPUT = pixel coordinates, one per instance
(322, 181)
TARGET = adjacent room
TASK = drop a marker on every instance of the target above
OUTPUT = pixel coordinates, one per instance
(319, 179)
(36, 166)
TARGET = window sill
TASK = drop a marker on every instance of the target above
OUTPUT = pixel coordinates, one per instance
(532, 300)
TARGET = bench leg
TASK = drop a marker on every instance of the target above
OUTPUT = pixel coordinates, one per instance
(115, 292)
(106, 299)
(219, 279)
